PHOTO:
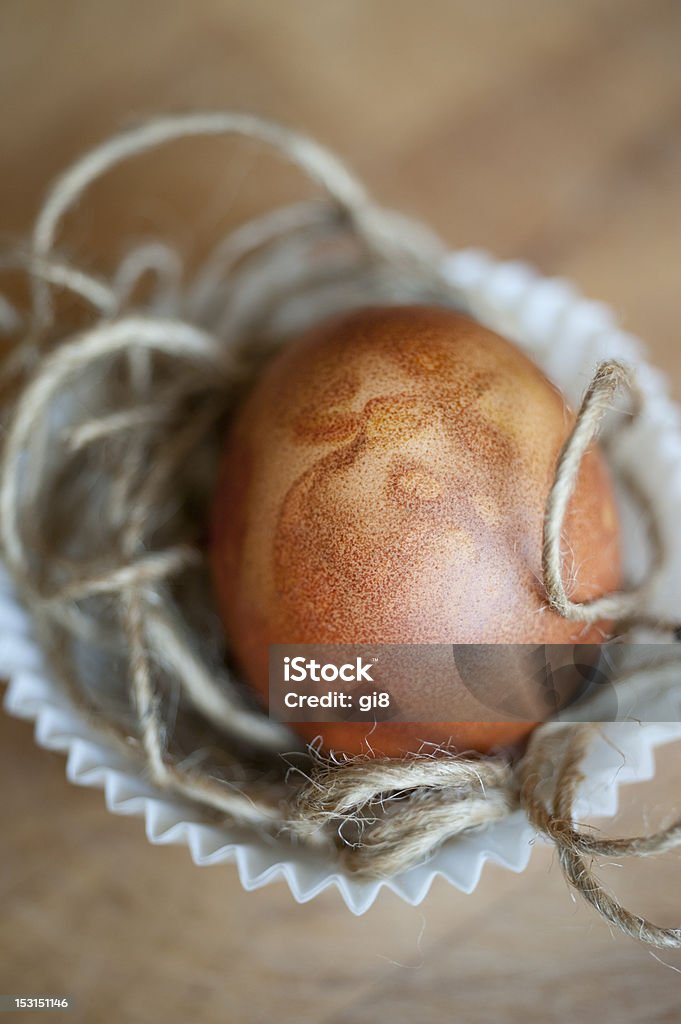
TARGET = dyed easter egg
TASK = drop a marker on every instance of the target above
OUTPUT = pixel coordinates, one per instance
(385, 482)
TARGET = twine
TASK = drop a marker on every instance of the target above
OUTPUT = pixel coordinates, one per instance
(112, 438)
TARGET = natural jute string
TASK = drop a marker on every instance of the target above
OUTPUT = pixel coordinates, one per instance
(112, 437)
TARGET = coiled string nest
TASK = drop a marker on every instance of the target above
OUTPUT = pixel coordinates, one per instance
(113, 432)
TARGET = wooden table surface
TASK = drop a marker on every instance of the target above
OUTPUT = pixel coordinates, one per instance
(545, 131)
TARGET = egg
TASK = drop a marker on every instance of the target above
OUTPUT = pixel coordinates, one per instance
(384, 482)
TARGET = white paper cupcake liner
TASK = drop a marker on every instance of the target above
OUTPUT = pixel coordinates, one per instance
(567, 336)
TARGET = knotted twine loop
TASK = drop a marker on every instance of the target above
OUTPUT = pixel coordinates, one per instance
(113, 425)
(622, 606)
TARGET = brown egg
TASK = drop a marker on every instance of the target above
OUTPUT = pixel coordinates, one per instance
(385, 482)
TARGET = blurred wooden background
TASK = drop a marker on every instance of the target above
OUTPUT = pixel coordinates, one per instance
(545, 131)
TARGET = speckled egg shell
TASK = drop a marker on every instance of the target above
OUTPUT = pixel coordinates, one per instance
(385, 482)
